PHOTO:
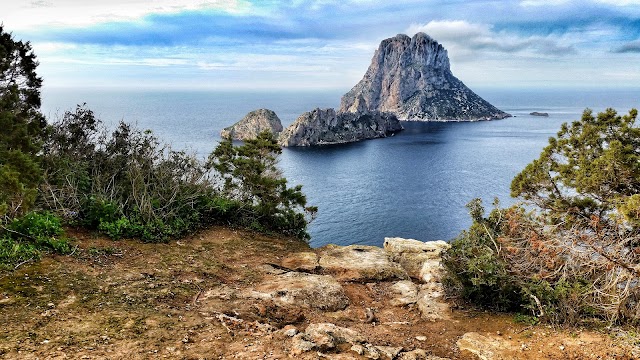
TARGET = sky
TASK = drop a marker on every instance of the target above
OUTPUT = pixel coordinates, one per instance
(324, 44)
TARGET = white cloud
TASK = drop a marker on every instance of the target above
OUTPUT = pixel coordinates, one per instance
(534, 3)
(619, 2)
(466, 40)
(543, 2)
(24, 15)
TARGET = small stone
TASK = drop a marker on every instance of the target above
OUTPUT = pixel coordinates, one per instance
(358, 349)
(421, 338)
(51, 305)
(561, 347)
(499, 333)
(291, 332)
(301, 345)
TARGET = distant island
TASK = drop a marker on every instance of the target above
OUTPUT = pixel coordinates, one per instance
(535, 113)
(409, 79)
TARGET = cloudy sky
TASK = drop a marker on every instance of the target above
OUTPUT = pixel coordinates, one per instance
(324, 44)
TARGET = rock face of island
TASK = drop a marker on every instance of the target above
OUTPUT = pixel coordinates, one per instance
(326, 126)
(412, 78)
(253, 124)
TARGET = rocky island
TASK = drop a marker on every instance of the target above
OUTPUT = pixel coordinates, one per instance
(535, 113)
(326, 126)
(253, 124)
(412, 78)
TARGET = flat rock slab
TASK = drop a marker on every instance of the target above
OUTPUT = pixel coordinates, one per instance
(302, 290)
(359, 263)
(302, 261)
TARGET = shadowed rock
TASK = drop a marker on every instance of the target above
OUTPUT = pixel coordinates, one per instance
(325, 127)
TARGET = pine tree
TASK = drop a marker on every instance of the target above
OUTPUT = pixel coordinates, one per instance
(22, 126)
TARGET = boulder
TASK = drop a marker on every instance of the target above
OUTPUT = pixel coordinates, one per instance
(325, 127)
(302, 290)
(411, 77)
(359, 263)
(421, 260)
(253, 124)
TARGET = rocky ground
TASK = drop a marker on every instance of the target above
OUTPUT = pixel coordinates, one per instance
(225, 294)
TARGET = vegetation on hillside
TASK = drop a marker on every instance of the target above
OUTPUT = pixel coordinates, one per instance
(571, 252)
(124, 182)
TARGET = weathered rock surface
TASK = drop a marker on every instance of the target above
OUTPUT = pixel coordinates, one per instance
(302, 290)
(412, 78)
(359, 263)
(431, 303)
(485, 348)
(404, 292)
(253, 124)
(421, 260)
(302, 261)
(325, 126)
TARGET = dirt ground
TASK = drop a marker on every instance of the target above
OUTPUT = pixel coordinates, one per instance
(129, 300)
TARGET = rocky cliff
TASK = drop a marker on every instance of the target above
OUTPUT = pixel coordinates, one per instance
(323, 127)
(253, 124)
(412, 78)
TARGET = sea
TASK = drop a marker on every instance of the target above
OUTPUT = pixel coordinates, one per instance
(414, 184)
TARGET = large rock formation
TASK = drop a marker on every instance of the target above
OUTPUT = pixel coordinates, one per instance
(323, 127)
(411, 78)
(253, 124)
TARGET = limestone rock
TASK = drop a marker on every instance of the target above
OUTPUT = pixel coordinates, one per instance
(301, 261)
(324, 127)
(302, 290)
(404, 293)
(431, 303)
(484, 347)
(301, 345)
(253, 124)
(328, 336)
(421, 260)
(412, 78)
(389, 352)
(359, 263)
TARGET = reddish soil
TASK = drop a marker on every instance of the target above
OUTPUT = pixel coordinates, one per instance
(129, 300)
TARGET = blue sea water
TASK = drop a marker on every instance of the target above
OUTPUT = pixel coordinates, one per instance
(414, 184)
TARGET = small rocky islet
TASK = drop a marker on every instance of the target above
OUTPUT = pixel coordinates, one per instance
(409, 79)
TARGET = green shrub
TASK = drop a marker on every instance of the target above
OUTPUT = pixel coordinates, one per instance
(127, 184)
(27, 237)
(572, 255)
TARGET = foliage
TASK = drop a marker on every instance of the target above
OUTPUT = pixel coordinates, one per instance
(127, 184)
(251, 178)
(27, 237)
(574, 254)
(21, 127)
(590, 169)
